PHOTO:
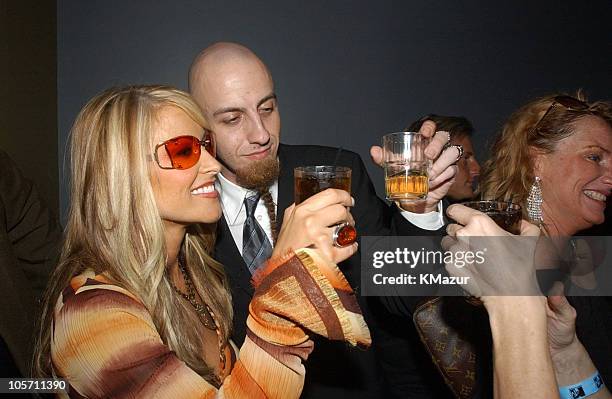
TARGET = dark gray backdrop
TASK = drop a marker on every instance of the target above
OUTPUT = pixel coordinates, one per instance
(346, 72)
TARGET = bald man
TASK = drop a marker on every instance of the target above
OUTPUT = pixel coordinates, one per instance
(235, 90)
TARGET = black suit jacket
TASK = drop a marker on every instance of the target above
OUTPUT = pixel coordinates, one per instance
(333, 369)
(29, 238)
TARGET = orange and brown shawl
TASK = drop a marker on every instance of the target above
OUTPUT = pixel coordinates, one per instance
(105, 344)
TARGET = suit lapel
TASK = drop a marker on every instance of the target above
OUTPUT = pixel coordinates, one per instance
(285, 183)
(228, 254)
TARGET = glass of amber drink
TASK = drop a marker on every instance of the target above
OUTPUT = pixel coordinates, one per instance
(406, 166)
(309, 180)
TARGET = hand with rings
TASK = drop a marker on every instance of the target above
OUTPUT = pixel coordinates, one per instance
(443, 170)
(459, 149)
(323, 222)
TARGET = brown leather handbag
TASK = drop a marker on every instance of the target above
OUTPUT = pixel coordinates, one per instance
(446, 328)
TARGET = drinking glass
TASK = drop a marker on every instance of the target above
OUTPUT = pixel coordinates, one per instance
(506, 214)
(406, 166)
(309, 180)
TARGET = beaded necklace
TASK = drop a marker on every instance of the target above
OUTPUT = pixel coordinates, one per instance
(205, 313)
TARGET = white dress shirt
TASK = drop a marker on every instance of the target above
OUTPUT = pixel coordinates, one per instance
(426, 221)
(232, 202)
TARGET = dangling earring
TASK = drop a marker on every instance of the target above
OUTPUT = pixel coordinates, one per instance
(534, 202)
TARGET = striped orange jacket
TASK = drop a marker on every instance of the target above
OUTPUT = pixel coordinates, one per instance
(104, 342)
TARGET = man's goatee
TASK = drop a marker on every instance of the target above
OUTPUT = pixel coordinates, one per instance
(259, 175)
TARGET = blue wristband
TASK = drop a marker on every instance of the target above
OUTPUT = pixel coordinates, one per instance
(582, 389)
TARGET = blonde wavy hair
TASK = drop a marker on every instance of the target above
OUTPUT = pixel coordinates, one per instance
(114, 225)
(508, 174)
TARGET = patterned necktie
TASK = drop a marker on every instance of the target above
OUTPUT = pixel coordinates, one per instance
(256, 247)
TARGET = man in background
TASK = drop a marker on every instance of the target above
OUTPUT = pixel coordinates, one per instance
(468, 168)
(29, 242)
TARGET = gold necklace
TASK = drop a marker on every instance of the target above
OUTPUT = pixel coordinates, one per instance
(205, 313)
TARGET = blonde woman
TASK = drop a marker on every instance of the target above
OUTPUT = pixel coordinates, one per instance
(137, 307)
(554, 158)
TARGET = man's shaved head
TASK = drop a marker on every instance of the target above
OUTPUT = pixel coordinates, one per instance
(235, 91)
(219, 56)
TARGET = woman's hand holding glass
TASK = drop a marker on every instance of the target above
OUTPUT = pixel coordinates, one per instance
(508, 267)
(308, 225)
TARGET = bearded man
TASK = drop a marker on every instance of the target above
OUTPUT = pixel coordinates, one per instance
(235, 91)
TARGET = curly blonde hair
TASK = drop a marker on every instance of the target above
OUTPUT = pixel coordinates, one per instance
(538, 125)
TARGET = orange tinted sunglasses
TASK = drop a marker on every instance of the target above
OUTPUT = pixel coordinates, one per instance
(184, 151)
